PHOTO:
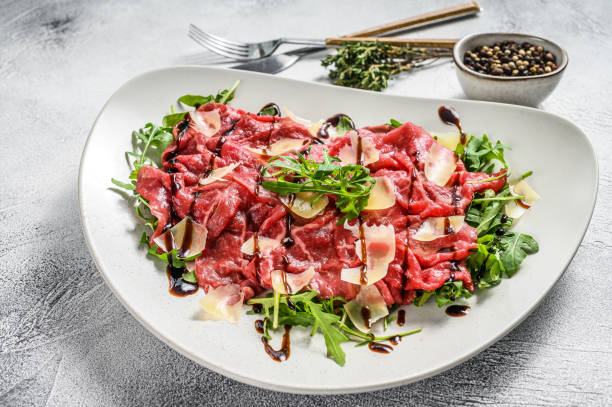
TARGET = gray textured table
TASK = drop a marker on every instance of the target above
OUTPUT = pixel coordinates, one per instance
(66, 340)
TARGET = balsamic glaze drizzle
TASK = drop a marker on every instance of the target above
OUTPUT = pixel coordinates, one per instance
(332, 121)
(284, 352)
(457, 310)
(277, 111)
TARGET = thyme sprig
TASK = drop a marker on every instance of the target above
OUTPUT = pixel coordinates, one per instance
(369, 65)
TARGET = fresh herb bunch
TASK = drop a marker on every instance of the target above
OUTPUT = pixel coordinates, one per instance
(500, 252)
(351, 184)
(148, 144)
(369, 65)
(325, 315)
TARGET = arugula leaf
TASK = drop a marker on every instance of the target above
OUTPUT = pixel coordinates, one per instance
(344, 125)
(190, 277)
(226, 96)
(333, 337)
(129, 187)
(422, 297)
(267, 111)
(195, 100)
(394, 123)
(491, 211)
(151, 140)
(446, 294)
(450, 291)
(485, 267)
(351, 184)
(516, 246)
(223, 96)
(173, 119)
(480, 154)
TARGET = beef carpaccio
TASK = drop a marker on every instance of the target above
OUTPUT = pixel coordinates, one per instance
(236, 208)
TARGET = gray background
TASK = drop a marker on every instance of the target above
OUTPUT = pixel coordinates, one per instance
(66, 340)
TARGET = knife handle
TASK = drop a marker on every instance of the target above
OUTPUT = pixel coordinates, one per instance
(431, 17)
(412, 42)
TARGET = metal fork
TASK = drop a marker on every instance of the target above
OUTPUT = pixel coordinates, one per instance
(244, 51)
(248, 51)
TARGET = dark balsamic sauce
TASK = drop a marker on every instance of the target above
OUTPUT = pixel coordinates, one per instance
(219, 146)
(288, 240)
(187, 238)
(366, 315)
(259, 325)
(284, 352)
(176, 285)
(380, 347)
(286, 285)
(256, 255)
(231, 129)
(448, 229)
(457, 310)
(182, 128)
(449, 116)
(259, 181)
(401, 317)
(363, 277)
(257, 308)
(277, 111)
(395, 340)
(332, 121)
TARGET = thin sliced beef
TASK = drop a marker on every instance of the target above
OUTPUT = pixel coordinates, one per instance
(236, 208)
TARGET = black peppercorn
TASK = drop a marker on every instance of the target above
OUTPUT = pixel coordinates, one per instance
(508, 58)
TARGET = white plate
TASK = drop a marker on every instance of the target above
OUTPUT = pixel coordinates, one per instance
(565, 175)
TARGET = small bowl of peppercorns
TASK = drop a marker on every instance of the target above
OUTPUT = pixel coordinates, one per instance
(510, 68)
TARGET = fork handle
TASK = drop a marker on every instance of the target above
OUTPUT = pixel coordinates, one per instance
(303, 41)
(412, 42)
(445, 14)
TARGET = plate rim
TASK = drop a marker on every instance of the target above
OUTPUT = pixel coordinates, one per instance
(320, 389)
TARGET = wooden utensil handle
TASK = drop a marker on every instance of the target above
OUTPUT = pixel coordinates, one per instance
(413, 42)
(423, 19)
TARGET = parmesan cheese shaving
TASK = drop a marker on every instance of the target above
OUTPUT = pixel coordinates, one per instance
(176, 235)
(380, 250)
(449, 140)
(348, 153)
(382, 195)
(265, 244)
(280, 147)
(295, 118)
(299, 204)
(289, 283)
(440, 164)
(370, 298)
(434, 228)
(514, 209)
(218, 174)
(207, 123)
(223, 303)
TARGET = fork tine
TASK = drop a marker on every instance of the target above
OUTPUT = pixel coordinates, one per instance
(212, 47)
(210, 38)
(211, 43)
(223, 40)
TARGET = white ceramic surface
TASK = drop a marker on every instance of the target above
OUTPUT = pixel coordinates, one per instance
(522, 90)
(565, 176)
